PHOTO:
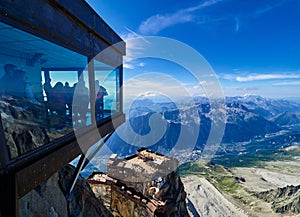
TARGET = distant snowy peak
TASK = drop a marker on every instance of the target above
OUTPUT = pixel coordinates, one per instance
(268, 108)
(252, 96)
(265, 107)
(246, 98)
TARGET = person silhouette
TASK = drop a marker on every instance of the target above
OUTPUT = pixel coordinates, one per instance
(59, 102)
(69, 91)
(100, 92)
(81, 102)
(55, 97)
(7, 80)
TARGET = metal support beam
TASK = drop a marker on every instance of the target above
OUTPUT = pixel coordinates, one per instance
(92, 155)
(76, 174)
(83, 162)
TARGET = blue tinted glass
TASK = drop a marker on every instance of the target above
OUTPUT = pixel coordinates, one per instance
(37, 80)
(106, 90)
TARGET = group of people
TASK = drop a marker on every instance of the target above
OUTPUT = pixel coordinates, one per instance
(60, 97)
(56, 97)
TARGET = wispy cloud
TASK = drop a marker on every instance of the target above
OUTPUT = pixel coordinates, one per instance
(129, 34)
(262, 77)
(153, 82)
(268, 7)
(237, 24)
(133, 41)
(158, 22)
(133, 64)
(128, 65)
(247, 88)
(287, 83)
(247, 76)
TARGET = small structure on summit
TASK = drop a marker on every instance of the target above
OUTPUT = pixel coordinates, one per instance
(143, 166)
(144, 184)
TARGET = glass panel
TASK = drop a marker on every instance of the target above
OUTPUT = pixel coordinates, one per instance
(36, 90)
(70, 101)
(81, 101)
(106, 90)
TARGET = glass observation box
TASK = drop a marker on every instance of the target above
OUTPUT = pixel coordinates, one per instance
(60, 79)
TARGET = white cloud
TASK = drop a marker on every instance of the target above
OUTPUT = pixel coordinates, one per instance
(268, 7)
(127, 65)
(141, 64)
(204, 83)
(158, 22)
(135, 44)
(153, 82)
(247, 88)
(226, 76)
(129, 34)
(237, 24)
(200, 88)
(262, 77)
(287, 83)
(149, 94)
(133, 64)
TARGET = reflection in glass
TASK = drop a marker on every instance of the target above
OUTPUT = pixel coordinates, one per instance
(81, 102)
(106, 90)
(37, 85)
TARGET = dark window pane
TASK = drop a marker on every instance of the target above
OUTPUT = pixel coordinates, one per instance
(36, 89)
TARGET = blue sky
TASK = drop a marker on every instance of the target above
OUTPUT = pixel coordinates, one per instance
(252, 46)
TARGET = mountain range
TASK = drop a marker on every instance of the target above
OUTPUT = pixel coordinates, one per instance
(284, 200)
(246, 118)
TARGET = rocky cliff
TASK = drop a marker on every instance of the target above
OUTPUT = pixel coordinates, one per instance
(123, 199)
(283, 200)
(27, 128)
(49, 199)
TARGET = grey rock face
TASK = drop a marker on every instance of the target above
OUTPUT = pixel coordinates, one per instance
(49, 199)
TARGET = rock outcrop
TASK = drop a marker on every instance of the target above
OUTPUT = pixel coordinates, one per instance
(28, 127)
(141, 185)
(50, 200)
(283, 200)
(125, 200)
